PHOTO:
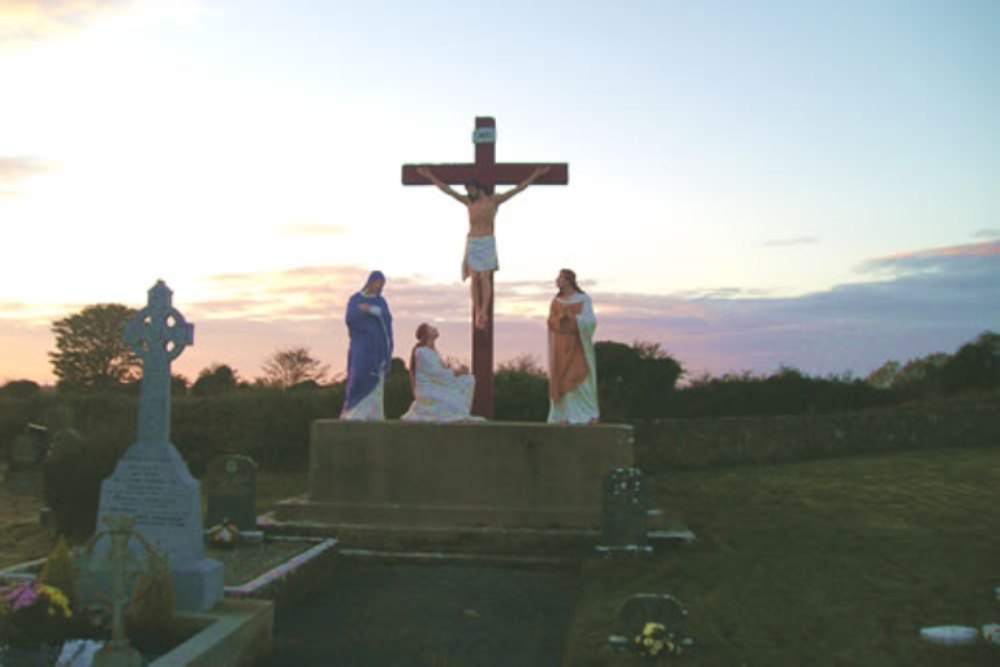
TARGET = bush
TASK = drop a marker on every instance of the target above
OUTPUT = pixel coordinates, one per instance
(150, 617)
(73, 472)
(521, 396)
(59, 571)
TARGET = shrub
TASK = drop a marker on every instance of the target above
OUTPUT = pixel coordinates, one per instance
(73, 473)
(150, 616)
(59, 571)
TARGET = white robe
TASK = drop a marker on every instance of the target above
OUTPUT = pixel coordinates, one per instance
(578, 406)
(370, 408)
(439, 394)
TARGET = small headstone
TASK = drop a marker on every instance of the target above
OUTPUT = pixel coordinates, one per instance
(642, 608)
(231, 490)
(151, 482)
(25, 457)
(624, 511)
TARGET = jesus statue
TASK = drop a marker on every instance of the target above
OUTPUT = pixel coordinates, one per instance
(480, 248)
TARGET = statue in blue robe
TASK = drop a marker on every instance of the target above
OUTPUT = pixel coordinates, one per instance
(369, 325)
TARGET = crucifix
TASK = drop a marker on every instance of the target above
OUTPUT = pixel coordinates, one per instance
(485, 173)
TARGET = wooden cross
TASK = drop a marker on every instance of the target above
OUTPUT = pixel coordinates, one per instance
(157, 334)
(488, 173)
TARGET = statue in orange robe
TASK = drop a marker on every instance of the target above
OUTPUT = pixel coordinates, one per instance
(572, 365)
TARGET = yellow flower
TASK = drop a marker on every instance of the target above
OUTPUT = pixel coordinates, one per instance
(651, 628)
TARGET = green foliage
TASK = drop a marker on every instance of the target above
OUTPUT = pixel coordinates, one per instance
(288, 367)
(20, 389)
(634, 382)
(521, 391)
(179, 385)
(73, 472)
(786, 392)
(90, 350)
(216, 380)
(975, 367)
(151, 612)
(59, 571)
(398, 392)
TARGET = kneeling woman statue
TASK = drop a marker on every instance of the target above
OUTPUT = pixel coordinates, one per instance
(439, 395)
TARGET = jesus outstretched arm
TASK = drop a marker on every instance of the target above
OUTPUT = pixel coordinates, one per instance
(444, 187)
(535, 175)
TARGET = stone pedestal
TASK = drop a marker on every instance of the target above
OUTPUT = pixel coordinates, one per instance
(435, 478)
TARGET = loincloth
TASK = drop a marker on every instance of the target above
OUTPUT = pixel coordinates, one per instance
(480, 255)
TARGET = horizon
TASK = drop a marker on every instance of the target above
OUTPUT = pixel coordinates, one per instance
(803, 185)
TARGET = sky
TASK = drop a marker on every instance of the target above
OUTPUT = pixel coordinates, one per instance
(751, 184)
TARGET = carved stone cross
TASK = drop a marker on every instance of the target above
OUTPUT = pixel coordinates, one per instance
(157, 334)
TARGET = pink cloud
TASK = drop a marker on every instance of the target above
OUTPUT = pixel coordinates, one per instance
(24, 21)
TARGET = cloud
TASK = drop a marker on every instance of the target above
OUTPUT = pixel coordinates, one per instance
(25, 21)
(895, 311)
(315, 230)
(797, 241)
(987, 234)
(14, 170)
(984, 254)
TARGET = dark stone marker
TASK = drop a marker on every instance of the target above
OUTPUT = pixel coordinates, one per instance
(231, 487)
(623, 510)
(29, 448)
(642, 608)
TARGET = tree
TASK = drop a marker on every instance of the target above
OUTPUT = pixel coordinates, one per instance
(976, 365)
(634, 381)
(214, 380)
(521, 390)
(885, 375)
(921, 374)
(91, 351)
(289, 367)
(20, 389)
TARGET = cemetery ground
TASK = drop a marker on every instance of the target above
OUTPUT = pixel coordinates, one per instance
(832, 562)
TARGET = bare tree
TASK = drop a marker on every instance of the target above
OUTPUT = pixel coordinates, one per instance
(289, 367)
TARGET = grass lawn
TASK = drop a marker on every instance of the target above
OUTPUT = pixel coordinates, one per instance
(835, 562)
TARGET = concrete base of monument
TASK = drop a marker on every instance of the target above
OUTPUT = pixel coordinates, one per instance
(234, 632)
(198, 586)
(406, 485)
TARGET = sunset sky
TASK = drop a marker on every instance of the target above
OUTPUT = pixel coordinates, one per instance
(798, 182)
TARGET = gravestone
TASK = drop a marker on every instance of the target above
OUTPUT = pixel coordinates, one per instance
(643, 608)
(25, 459)
(151, 483)
(624, 511)
(29, 448)
(231, 490)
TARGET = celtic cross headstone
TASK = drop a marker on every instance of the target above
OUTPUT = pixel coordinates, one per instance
(157, 334)
(151, 483)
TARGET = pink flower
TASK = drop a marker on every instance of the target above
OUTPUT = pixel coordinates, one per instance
(20, 596)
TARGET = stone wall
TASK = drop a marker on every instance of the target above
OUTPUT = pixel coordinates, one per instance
(694, 443)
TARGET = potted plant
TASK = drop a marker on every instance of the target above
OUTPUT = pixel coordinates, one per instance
(34, 620)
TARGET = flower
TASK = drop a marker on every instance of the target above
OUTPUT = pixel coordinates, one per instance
(32, 613)
(655, 640)
(223, 534)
